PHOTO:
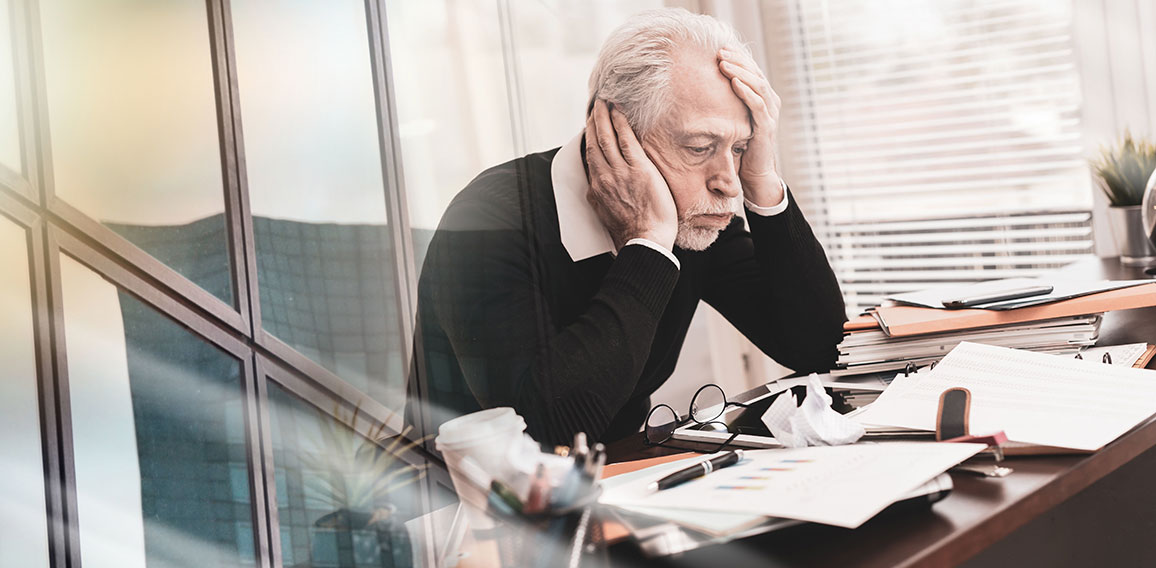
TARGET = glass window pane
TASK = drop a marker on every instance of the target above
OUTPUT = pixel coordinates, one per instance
(133, 124)
(557, 45)
(325, 261)
(23, 521)
(342, 500)
(9, 129)
(452, 103)
(158, 434)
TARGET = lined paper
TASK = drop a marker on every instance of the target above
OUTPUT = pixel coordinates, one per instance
(1034, 398)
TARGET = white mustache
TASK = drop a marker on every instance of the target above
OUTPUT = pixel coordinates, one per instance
(728, 207)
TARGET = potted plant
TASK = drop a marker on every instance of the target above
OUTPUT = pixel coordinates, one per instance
(1122, 172)
(360, 474)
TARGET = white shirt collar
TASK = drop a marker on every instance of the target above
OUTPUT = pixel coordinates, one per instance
(583, 234)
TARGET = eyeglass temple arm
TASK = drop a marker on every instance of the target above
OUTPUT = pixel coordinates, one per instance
(724, 445)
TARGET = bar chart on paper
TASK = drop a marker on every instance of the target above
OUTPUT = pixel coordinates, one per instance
(836, 485)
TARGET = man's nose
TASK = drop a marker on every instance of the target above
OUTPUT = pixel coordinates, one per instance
(724, 179)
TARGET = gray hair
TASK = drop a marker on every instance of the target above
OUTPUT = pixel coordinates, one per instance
(633, 68)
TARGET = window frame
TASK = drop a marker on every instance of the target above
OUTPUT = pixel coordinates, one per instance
(51, 450)
(236, 315)
(23, 184)
(61, 242)
(55, 227)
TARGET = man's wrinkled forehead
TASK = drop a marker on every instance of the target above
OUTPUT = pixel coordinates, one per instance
(711, 131)
(702, 102)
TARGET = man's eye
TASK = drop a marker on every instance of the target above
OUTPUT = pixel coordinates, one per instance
(698, 150)
(738, 150)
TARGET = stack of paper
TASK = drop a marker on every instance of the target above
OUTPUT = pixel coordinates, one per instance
(888, 338)
(1034, 398)
(875, 351)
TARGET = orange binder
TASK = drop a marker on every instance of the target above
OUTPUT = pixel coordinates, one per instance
(860, 323)
(901, 321)
(1142, 362)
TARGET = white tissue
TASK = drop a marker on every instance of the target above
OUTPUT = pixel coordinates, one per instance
(814, 423)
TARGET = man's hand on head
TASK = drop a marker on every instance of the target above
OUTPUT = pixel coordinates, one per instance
(627, 191)
(758, 172)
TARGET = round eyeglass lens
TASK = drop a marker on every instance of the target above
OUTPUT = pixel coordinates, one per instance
(707, 404)
(660, 424)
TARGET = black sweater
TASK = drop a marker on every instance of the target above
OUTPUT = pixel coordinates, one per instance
(506, 318)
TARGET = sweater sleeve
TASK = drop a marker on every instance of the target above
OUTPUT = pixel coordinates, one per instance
(487, 297)
(775, 285)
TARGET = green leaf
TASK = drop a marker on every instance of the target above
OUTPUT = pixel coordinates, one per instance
(1123, 170)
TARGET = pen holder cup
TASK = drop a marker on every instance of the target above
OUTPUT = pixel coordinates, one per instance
(554, 537)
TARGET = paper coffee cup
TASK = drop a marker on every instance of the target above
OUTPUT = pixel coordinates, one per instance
(485, 438)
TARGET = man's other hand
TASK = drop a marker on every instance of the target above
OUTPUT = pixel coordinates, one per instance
(759, 173)
(627, 191)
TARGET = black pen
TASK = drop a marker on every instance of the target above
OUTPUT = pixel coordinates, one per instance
(697, 470)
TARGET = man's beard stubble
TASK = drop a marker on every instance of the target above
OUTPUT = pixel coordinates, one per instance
(696, 237)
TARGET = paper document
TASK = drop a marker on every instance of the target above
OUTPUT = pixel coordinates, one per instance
(836, 485)
(1126, 355)
(712, 522)
(1071, 333)
(1034, 397)
(1061, 290)
(876, 382)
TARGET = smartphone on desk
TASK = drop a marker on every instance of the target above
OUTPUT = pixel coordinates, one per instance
(996, 296)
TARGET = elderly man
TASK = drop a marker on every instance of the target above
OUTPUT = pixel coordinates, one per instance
(563, 283)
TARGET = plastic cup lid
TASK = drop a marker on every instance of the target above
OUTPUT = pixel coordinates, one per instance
(479, 426)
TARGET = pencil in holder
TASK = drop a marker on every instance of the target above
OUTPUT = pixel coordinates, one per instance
(554, 536)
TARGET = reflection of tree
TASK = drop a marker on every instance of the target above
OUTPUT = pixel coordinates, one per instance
(357, 479)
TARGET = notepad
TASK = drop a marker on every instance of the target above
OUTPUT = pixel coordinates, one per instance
(1035, 398)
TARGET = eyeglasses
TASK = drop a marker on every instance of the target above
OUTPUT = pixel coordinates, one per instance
(707, 405)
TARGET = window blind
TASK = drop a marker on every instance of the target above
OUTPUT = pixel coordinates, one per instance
(933, 142)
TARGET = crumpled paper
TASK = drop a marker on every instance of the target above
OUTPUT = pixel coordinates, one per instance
(813, 423)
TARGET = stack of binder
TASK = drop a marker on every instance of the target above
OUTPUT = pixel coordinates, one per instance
(891, 337)
(876, 351)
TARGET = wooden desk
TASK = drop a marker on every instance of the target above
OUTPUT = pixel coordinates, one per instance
(1096, 510)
